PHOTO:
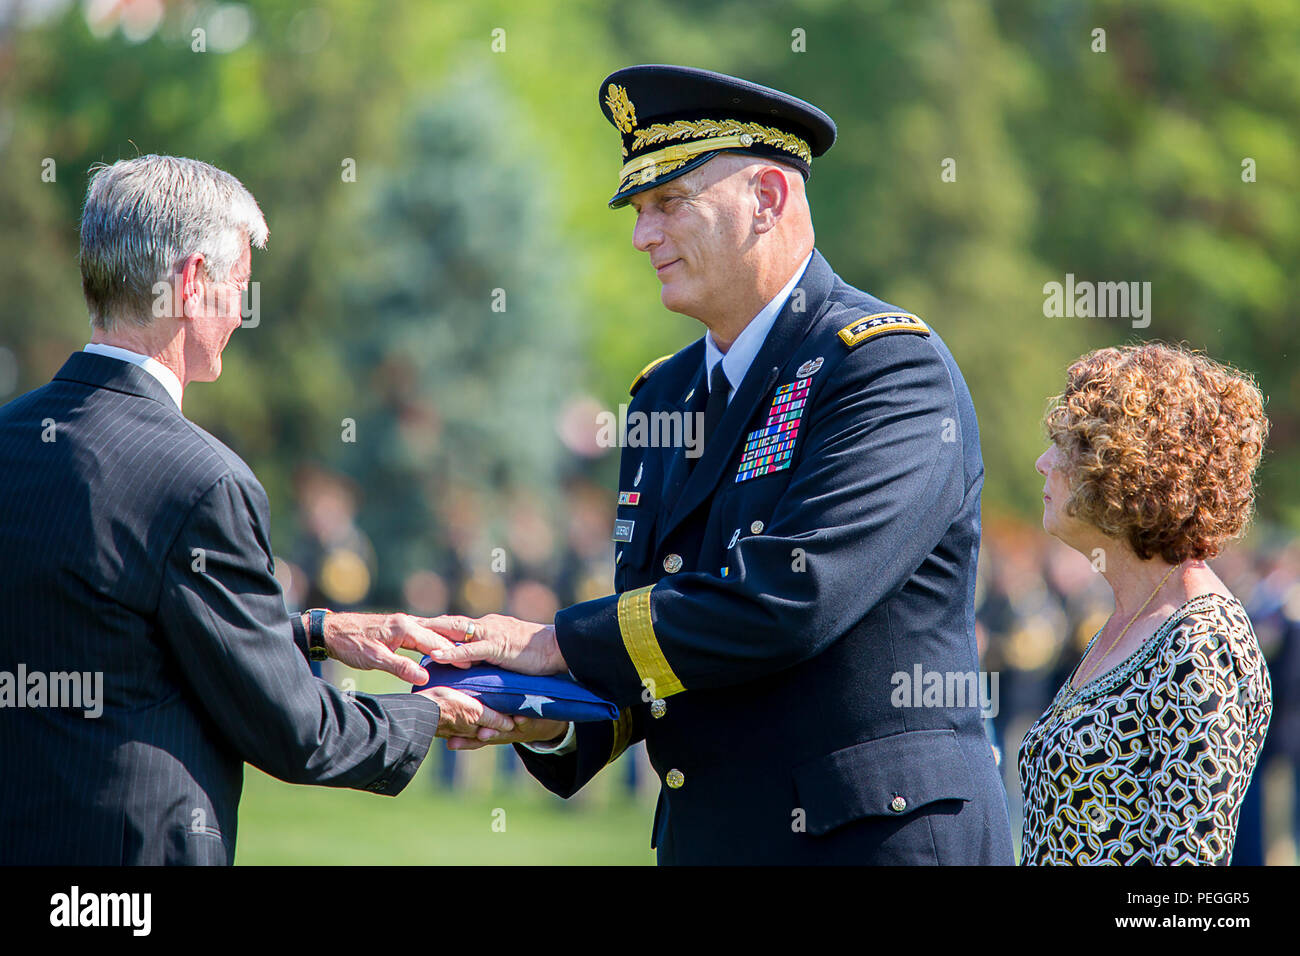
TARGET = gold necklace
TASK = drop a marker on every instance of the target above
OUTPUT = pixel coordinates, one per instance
(1072, 692)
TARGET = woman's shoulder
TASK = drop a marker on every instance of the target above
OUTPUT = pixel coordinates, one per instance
(1212, 631)
(1209, 667)
(1208, 612)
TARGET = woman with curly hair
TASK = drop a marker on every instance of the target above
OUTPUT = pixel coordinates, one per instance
(1147, 749)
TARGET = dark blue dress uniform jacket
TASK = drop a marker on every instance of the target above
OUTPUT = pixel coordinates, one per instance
(760, 672)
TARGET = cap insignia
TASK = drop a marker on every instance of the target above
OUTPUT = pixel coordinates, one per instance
(620, 108)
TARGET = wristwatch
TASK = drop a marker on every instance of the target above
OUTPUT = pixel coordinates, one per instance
(316, 634)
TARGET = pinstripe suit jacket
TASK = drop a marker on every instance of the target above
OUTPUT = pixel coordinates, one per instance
(134, 544)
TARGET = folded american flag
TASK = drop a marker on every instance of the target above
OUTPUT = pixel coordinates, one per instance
(555, 697)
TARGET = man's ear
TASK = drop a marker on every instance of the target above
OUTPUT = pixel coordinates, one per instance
(193, 285)
(773, 191)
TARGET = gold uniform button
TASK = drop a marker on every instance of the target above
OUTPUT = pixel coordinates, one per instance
(658, 708)
(898, 804)
(756, 527)
(675, 779)
(673, 563)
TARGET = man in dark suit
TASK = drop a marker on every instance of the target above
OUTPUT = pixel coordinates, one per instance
(135, 553)
(786, 600)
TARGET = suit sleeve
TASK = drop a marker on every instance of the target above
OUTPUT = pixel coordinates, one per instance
(300, 639)
(600, 743)
(222, 614)
(880, 480)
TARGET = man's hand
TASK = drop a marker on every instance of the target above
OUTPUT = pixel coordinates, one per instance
(460, 715)
(501, 640)
(527, 730)
(371, 642)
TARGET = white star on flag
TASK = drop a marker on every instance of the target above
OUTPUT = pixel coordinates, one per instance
(535, 702)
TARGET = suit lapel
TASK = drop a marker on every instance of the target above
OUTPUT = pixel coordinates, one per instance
(787, 332)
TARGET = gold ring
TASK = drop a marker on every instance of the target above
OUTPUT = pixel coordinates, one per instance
(469, 631)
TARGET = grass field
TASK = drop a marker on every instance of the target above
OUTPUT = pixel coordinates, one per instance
(487, 820)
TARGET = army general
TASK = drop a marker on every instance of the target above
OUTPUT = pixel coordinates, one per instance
(771, 589)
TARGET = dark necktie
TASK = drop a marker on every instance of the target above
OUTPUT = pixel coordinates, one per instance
(719, 392)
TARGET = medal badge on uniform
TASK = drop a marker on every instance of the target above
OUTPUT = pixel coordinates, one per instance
(771, 448)
(807, 368)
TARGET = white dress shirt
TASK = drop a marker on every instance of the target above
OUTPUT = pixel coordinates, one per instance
(735, 363)
(166, 377)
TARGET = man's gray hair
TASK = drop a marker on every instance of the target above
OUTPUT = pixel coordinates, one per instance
(144, 217)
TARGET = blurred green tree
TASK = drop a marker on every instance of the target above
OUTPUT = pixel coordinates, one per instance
(1122, 164)
(1160, 140)
(464, 342)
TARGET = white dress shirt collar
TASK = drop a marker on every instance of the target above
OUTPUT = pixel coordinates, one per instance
(743, 351)
(165, 376)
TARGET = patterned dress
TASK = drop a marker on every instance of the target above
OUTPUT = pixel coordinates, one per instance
(1148, 763)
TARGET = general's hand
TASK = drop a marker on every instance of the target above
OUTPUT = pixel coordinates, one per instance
(371, 642)
(501, 640)
(527, 730)
(461, 715)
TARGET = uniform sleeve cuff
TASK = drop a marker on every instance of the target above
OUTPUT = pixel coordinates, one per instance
(592, 645)
(612, 647)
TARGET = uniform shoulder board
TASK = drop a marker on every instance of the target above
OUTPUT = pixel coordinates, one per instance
(645, 373)
(882, 323)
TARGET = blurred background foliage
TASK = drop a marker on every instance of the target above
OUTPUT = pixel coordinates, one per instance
(480, 169)
(444, 274)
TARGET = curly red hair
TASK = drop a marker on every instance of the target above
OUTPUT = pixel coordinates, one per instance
(1161, 446)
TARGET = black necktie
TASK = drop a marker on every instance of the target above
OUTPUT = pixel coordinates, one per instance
(719, 392)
